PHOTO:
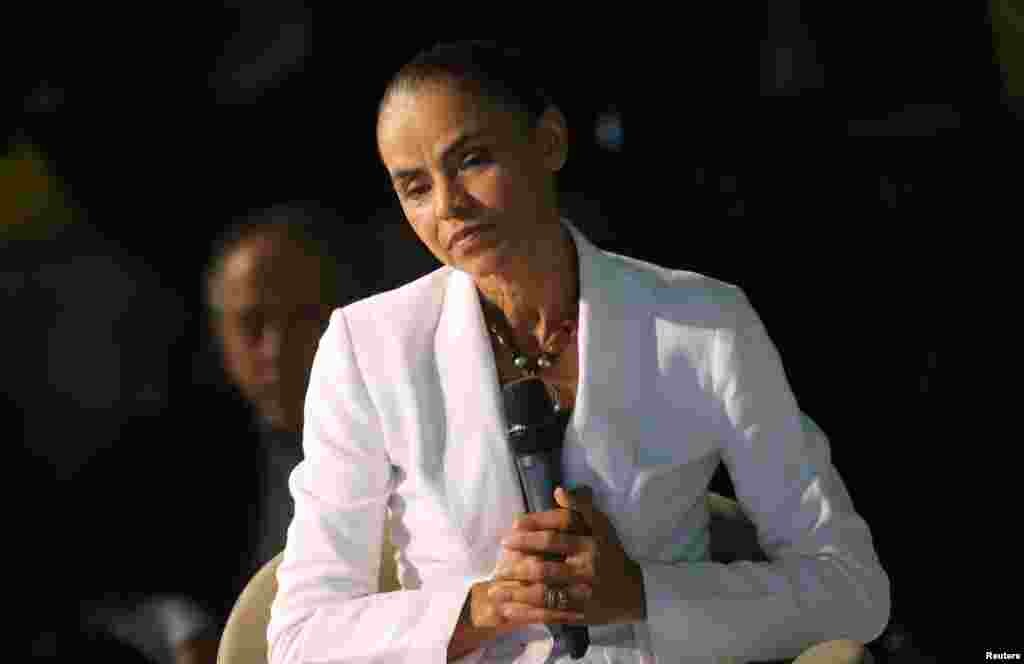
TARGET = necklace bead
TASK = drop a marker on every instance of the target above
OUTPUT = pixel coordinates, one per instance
(521, 361)
(544, 361)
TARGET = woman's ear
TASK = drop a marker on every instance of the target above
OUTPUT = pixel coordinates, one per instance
(553, 138)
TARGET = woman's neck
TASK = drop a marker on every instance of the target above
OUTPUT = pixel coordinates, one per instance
(539, 292)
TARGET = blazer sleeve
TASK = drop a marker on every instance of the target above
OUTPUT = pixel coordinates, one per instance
(824, 580)
(327, 608)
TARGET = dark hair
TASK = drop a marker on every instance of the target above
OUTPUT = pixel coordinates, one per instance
(301, 223)
(502, 74)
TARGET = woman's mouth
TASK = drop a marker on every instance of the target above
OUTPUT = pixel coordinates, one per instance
(467, 234)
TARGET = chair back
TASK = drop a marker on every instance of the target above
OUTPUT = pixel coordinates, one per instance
(244, 640)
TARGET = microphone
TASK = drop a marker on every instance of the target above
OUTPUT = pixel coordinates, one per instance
(535, 436)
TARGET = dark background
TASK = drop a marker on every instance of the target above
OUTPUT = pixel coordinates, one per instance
(821, 187)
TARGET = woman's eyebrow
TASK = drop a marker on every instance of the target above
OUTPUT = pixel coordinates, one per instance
(459, 143)
(404, 174)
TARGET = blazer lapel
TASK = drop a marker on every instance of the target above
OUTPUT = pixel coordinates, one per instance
(615, 328)
(481, 486)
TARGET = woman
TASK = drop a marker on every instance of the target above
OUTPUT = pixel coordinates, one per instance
(664, 374)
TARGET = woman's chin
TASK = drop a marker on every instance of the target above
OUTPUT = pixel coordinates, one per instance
(479, 264)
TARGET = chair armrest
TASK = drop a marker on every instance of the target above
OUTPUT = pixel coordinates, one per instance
(837, 651)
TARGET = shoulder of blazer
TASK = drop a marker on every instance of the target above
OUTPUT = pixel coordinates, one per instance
(402, 317)
(680, 295)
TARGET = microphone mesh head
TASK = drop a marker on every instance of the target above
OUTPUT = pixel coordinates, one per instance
(527, 403)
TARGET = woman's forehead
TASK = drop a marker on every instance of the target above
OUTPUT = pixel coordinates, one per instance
(432, 118)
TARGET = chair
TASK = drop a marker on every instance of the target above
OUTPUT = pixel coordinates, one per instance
(244, 640)
(733, 537)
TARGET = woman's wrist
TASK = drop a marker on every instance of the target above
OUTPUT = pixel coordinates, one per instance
(469, 634)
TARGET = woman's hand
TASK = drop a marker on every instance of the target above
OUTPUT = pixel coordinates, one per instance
(574, 548)
(485, 617)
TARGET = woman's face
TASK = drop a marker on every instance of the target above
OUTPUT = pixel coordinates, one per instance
(474, 182)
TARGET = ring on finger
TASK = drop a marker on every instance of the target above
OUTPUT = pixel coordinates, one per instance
(556, 598)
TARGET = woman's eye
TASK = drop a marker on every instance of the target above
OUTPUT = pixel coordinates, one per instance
(416, 192)
(474, 159)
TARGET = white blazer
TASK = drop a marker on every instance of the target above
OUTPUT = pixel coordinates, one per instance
(404, 422)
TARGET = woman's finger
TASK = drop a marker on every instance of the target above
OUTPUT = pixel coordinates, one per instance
(579, 503)
(556, 519)
(583, 566)
(526, 614)
(536, 594)
(544, 541)
(532, 569)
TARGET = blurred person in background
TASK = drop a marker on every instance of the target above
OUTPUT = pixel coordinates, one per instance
(268, 288)
(272, 279)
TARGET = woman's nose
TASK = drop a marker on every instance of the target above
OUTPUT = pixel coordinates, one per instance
(449, 199)
(270, 342)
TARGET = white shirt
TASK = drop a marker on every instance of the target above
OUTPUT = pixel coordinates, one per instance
(404, 421)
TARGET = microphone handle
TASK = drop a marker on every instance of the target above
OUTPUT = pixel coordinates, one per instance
(539, 475)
